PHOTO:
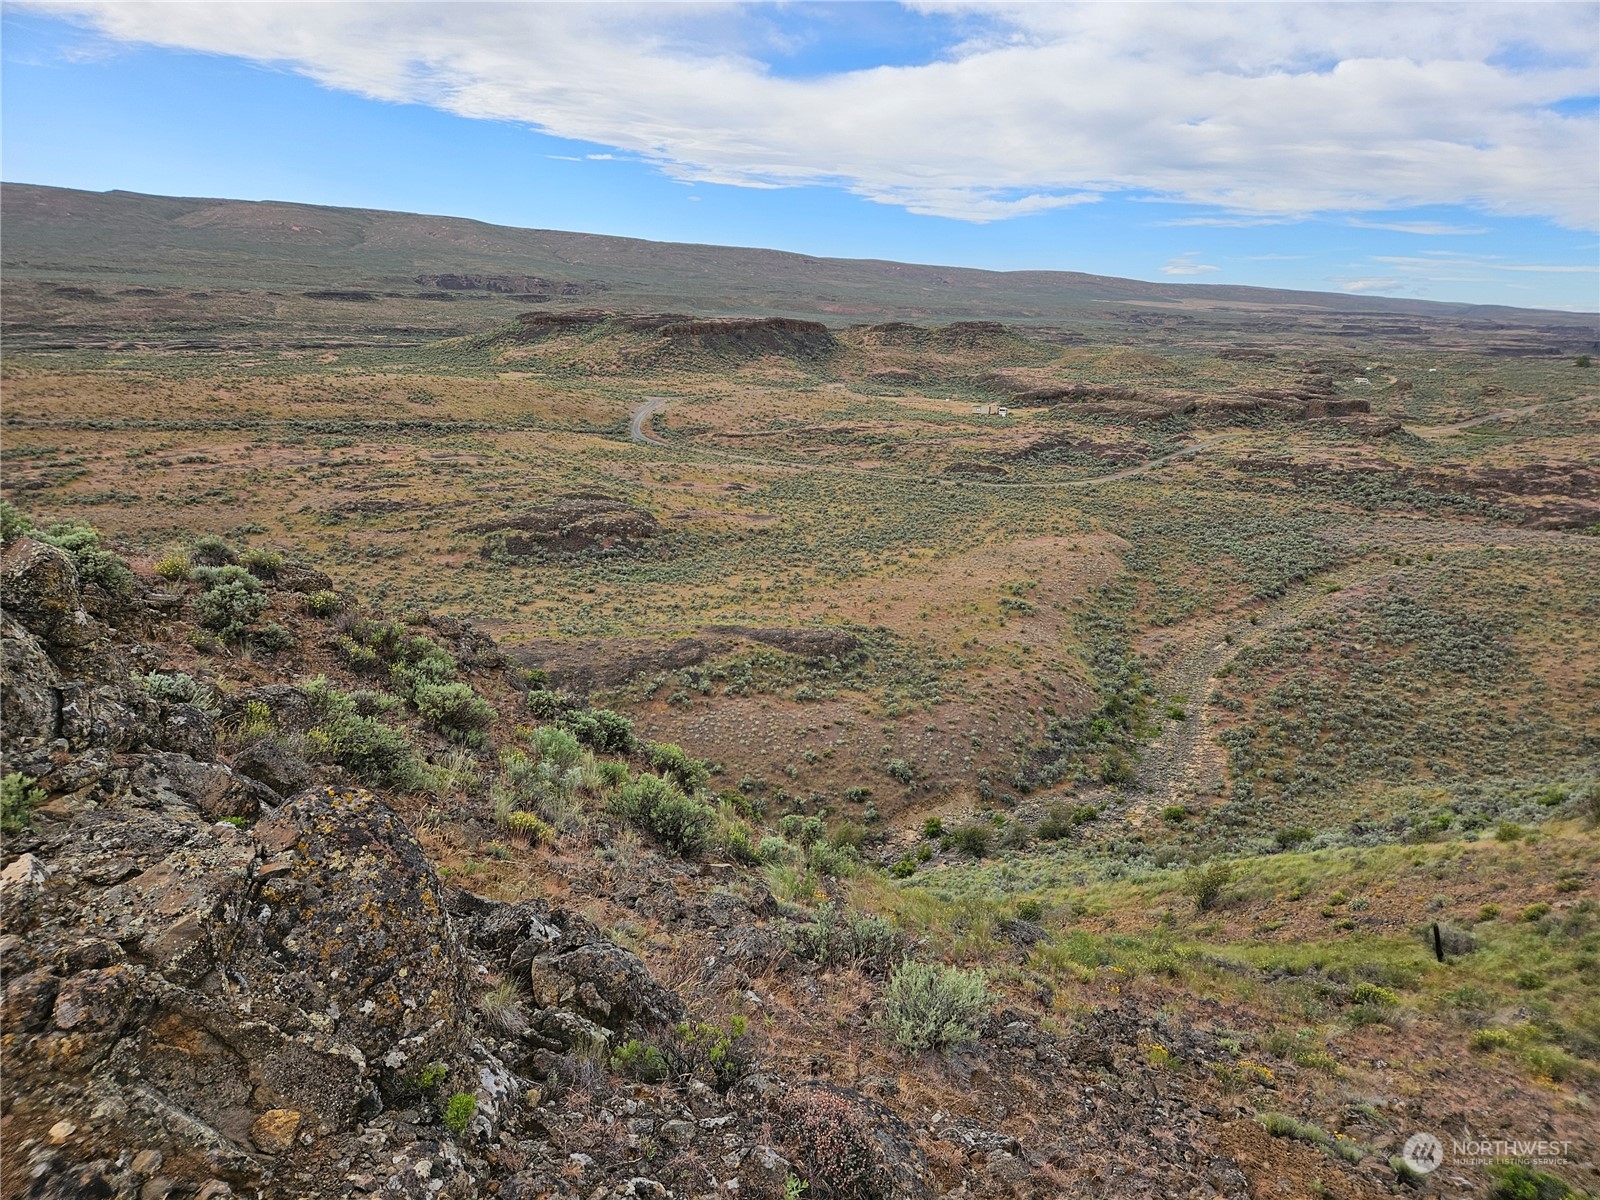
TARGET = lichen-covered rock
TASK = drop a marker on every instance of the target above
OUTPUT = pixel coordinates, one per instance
(184, 729)
(215, 791)
(39, 589)
(604, 982)
(298, 577)
(356, 932)
(849, 1143)
(30, 705)
(270, 762)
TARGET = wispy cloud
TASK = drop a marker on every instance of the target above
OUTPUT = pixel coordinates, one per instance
(1255, 111)
(1377, 284)
(1436, 261)
(1421, 228)
(1185, 264)
(1228, 222)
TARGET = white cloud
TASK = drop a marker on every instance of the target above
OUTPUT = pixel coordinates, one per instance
(1185, 264)
(1421, 228)
(1258, 110)
(1369, 285)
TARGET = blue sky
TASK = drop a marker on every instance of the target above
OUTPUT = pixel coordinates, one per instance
(1301, 147)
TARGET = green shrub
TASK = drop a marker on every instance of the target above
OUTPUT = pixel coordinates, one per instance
(557, 746)
(613, 772)
(1206, 884)
(458, 1113)
(1589, 803)
(95, 565)
(272, 638)
(13, 524)
(900, 770)
(840, 935)
(671, 760)
(1371, 993)
(972, 839)
(722, 1051)
(684, 822)
(454, 709)
(1174, 814)
(261, 562)
(838, 862)
(734, 840)
(641, 1060)
(526, 826)
(774, 850)
(377, 754)
(1516, 1181)
(602, 730)
(173, 567)
(1116, 769)
(322, 603)
(931, 1006)
(178, 687)
(549, 705)
(209, 550)
(801, 829)
(933, 827)
(231, 601)
(18, 799)
(846, 835)
(1293, 836)
(1491, 1039)
(1060, 820)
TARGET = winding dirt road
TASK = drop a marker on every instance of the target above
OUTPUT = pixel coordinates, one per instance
(642, 416)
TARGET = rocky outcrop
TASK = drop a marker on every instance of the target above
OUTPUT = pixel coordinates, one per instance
(39, 589)
(569, 525)
(752, 337)
(511, 284)
(219, 982)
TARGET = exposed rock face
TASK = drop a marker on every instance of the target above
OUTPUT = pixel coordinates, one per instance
(569, 526)
(512, 284)
(39, 588)
(744, 337)
(354, 898)
(808, 643)
(229, 978)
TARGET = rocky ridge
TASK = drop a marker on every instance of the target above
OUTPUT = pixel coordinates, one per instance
(247, 978)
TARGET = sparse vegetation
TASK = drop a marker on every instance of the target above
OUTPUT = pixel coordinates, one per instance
(18, 799)
(931, 1006)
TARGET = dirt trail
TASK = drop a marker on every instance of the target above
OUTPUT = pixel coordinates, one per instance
(1504, 414)
(1185, 762)
(638, 431)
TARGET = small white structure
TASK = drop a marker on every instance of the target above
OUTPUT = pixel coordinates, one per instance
(988, 410)
(1004, 412)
